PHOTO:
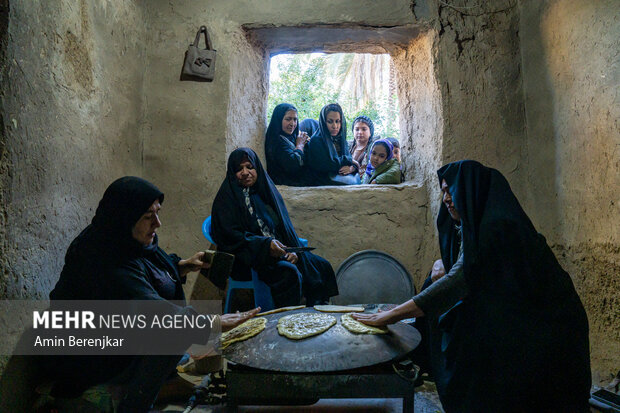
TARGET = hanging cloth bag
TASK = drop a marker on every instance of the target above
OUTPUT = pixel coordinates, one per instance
(199, 63)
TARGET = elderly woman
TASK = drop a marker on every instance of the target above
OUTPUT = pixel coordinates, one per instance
(117, 257)
(284, 147)
(250, 220)
(514, 331)
(363, 135)
(327, 153)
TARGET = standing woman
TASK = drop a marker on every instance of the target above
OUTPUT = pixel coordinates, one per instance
(514, 331)
(327, 153)
(250, 220)
(363, 135)
(284, 147)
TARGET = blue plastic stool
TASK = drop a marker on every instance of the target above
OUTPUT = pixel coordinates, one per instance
(262, 292)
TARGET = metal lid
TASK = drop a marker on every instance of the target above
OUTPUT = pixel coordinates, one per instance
(372, 276)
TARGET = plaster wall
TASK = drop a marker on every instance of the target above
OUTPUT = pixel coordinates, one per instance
(478, 67)
(71, 99)
(571, 77)
(340, 221)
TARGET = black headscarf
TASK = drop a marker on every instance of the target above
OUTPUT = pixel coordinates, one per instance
(108, 240)
(310, 126)
(321, 155)
(274, 130)
(233, 228)
(522, 322)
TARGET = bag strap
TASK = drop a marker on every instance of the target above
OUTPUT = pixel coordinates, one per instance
(207, 37)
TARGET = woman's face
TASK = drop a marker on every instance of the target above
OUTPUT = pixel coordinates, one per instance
(333, 123)
(447, 201)
(144, 230)
(378, 155)
(361, 133)
(289, 122)
(246, 174)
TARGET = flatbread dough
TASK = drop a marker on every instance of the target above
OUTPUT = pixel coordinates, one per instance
(302, 325)
(244, 331)
(338, 309)
(282, 309)
(357, 327)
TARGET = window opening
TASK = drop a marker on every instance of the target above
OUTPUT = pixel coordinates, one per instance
(362, 83)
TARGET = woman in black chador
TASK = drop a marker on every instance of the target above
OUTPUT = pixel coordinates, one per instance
(250, 220)
(327, 152)
(284, 147)
(117, 257)
(514, 334)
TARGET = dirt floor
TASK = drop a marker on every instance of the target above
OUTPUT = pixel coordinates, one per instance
(426, 401)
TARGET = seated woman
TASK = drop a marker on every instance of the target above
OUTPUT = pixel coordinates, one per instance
(284, 147)
(382, 168)
(396, 144)
(249, 219)
(327, 154)
(514, 331)
(363, 136)
(310, 126)
(117, 257)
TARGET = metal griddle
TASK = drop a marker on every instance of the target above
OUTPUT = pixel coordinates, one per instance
(269, 369)
(334, 350)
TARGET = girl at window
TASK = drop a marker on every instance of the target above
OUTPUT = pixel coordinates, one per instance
(382, 167)
(327, 153)
(396, 144)
(363, 135)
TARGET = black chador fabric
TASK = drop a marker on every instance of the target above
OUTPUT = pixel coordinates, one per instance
(236, 231)
(285, 163)
(325, 155)
(519, 340)
(104, 262)
(310, 126)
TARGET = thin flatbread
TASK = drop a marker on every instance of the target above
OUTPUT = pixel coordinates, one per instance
(357, 327)
(338, 309)
(282, 309)
(244, 331)
(302, 325)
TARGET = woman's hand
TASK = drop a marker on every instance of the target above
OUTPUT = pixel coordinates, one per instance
(291, 257)
(346, 170)
(405, 310)
(301, 140)
(377, 319)
(230, 321)
(193, 263)
(276, 249)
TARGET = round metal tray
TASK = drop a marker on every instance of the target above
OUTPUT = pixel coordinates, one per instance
(372, 276)
(334, 350)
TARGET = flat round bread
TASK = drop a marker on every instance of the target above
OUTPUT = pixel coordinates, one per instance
(355, 326)
(302, 325)
(338, 309)
(244, 331)
(282, 309)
